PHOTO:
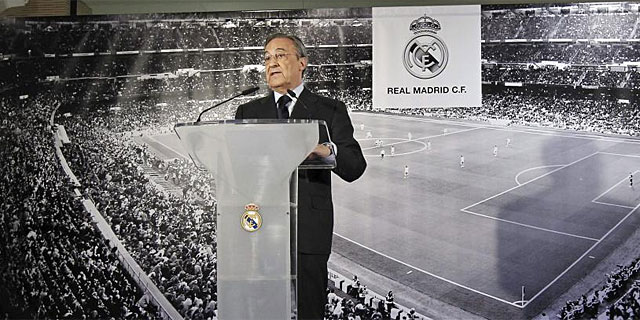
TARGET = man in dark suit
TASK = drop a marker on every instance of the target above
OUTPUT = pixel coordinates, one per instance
(285, 60)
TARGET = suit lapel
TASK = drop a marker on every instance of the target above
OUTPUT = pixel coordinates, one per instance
(311, 102)
(269, 108)
(307, 99)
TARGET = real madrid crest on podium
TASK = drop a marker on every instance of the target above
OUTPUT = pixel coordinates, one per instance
(425, 55)
(251, 219)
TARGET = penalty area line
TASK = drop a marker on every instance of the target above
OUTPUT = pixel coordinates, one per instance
(612, 187)
(532, 180)
(534, 168)
(612, 204)
(584, 254)
(529, 226)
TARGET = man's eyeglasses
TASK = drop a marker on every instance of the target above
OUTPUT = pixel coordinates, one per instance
(278, 57)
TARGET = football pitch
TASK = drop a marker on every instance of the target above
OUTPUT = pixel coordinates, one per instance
(532, 217)
(538, 214)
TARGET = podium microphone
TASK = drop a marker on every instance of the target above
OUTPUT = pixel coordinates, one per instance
(242, 93)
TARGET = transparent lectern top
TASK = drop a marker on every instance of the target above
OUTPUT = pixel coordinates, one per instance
(305, 164)
(251, 155)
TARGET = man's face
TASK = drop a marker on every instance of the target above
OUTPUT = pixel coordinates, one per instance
(283, 68)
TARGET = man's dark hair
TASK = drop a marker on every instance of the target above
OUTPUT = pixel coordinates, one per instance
(302, 50)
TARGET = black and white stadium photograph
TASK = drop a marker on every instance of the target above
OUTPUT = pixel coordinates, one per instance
(294, 159)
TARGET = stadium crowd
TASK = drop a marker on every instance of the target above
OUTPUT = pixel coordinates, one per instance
(195, 184)
(580, 54)
(628, 307)
(172, 238)
(357, 304)
(585, 77)
(54, 264)
(110, 34)
(566, 62)
(547, 24)
(134, 64)
(618, 282)
(605, 116)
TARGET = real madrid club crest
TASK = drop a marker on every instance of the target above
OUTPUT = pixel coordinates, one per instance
(426, 55)
(251, 219)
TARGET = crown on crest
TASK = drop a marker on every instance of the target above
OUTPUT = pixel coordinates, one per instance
(425, 24)
(251, 207)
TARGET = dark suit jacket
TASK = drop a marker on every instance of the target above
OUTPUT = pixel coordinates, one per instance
(315, 205)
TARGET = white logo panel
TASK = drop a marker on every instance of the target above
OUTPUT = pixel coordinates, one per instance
(426, 57)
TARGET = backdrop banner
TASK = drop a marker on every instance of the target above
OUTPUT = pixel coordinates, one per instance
(426, 57)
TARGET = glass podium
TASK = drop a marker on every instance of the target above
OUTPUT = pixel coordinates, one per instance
(255, 165)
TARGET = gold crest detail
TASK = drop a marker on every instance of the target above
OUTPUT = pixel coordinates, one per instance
(251, 219)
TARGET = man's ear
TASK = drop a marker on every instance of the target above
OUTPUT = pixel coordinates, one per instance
(303, 63)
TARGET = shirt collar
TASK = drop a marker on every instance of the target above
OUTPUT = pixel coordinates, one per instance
(297, 90)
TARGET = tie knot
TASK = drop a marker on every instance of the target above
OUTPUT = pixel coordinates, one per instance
(282, 102)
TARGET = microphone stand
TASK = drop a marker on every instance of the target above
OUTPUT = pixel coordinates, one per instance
(242, 93)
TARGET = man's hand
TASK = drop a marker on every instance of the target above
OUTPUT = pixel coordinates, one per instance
(320, 151)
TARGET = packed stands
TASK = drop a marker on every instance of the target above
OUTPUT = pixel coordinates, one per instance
(627, 307)
(54, 263)
(565, 112)
(171, 238)
(618, 282)
(124, 77)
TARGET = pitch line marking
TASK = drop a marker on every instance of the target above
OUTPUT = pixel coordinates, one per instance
(529, 226)
(612, 204)
(530, 169)
(612, 187)
(584, 254)
(427, 272)
(356, 129)
(448, 133)
(166, 146)
(532, 180)
(403, 140)
(622, 155)
(416, 139)
(424, 145)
